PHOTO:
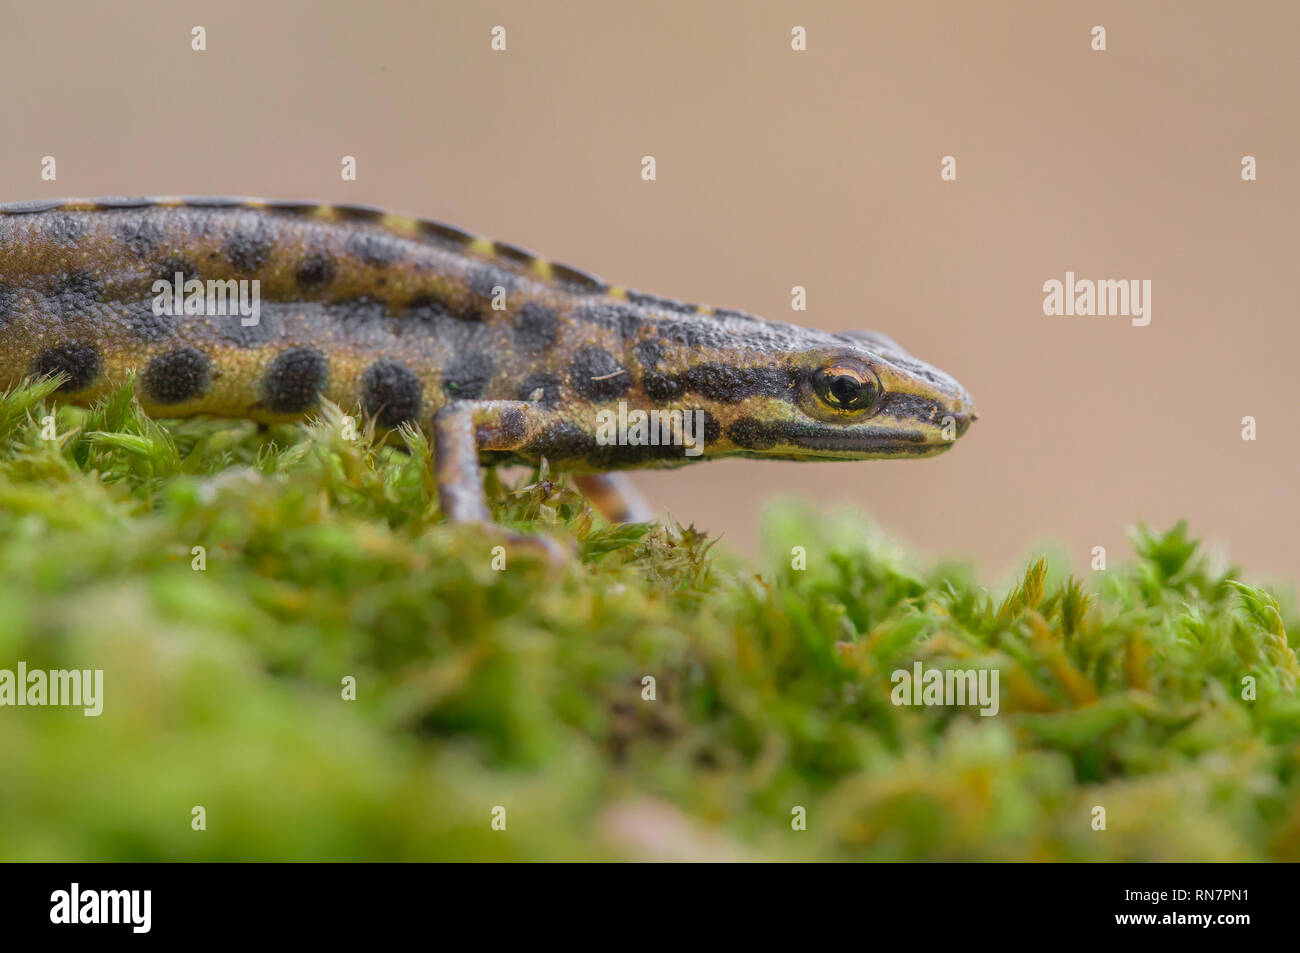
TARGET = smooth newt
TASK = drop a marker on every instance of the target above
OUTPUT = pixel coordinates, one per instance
(500, 355)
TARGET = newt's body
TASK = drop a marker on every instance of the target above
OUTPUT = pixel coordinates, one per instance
(500, 355)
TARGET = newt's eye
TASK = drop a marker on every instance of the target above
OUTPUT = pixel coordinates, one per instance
(847, 385)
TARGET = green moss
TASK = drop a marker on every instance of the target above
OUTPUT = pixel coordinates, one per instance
(523, 688)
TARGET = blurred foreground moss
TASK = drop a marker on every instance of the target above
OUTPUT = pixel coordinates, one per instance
(325, 558)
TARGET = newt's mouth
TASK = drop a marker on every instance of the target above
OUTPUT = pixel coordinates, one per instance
(785, 440)
(905, 451)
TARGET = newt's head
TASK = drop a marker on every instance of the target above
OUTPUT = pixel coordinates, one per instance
(862, 397)
(728, 384)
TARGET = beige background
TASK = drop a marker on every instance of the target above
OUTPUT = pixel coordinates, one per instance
(775, 169)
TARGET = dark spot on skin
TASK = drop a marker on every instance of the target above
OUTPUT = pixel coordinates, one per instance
(712, 429)
(30, 206)
(514, 253)
(294, 380)
(78, 290)
(359, 213)
(471, 313)
(629, 322)
(661, 386)
(562, 441)
(618, 318)
(248, 247)
(79, 361)
(467, 376)
(661, 304)
(177, 376)
(483, 278)
(293, 208)
(648, 353)
(376, 248)
(535, 327)
(315, 270)
(577, 281)
(721, 382)
(751, 433)
(509, 431)
(170, 265)
(548, 384)
(445, 234)
(391, 393)
(696, 334)
(425, 307)
(142, 236)
(65, 230)
(593, 374)
(8, 303)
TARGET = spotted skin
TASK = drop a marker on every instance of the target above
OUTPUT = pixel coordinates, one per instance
(177, 376)
(417, 321)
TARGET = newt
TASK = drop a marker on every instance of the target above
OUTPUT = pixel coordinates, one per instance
(499, 355)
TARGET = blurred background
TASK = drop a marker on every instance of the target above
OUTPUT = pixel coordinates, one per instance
(775, 168)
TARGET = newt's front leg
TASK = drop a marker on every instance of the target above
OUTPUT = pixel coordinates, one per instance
(456, 466)
(461, 431)
(464, 429)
